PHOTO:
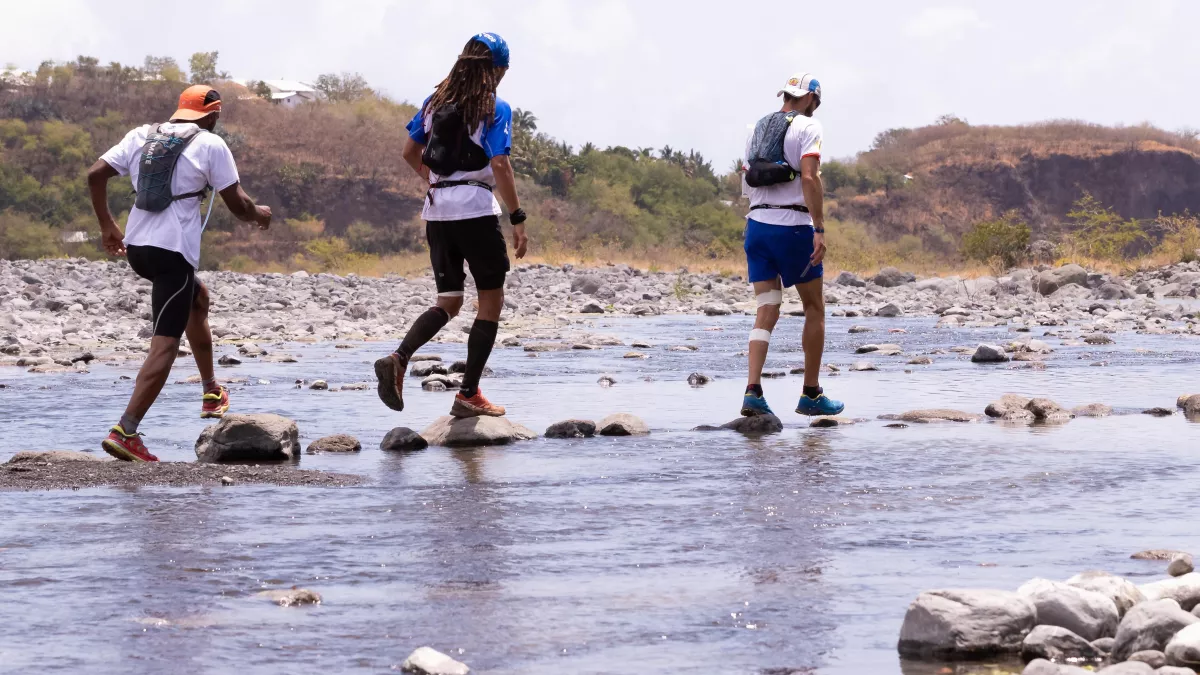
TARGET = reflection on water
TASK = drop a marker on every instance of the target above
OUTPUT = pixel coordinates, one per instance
(681, 552)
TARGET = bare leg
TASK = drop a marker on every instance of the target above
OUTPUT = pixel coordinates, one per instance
(813, 296)
(767, 317)
(200, 338)
(153, 375)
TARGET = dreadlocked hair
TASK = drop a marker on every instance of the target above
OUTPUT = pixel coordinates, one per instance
(471, 85)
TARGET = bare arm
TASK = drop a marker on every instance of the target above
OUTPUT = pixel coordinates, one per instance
(110, 234)
(412, 155)
(506, 185)
(243, 208)
(814, 198)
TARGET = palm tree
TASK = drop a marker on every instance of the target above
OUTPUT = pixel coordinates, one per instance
(587, 148)
(523, 120)
(666, 153)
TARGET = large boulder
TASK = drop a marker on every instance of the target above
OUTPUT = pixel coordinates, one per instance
(1088, 614)
(985, 353)
(571, 429)
(402, 439)
(623, 424)
(1051, 280)
(1184, 648)
(457, 432)
(1056, 643)
(966, 623)
(249, 438)
(849, 279)
(1150, 625)
(1123, 592)
(1184, 589)
(586, 284)
(890, 277)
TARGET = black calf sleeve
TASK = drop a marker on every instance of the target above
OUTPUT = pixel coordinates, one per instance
(479, 348)
(423, 329)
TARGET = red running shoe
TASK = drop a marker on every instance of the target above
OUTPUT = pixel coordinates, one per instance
(475, 406)
(215, 404)
(128, 447)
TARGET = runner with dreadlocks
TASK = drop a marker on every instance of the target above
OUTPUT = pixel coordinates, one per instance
(460, 141)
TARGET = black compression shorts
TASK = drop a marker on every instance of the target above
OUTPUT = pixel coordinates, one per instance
(478, 241)
(175, 287)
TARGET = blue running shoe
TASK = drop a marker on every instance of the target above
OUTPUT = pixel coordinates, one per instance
(820, 406)
(755, 405)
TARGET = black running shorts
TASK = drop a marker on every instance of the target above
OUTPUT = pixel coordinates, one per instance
(478, 241)
(175, 287)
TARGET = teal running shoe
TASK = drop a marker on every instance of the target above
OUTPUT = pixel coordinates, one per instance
(820, 406)
(755, 405)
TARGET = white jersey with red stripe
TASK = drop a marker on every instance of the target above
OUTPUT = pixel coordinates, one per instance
(803, 139)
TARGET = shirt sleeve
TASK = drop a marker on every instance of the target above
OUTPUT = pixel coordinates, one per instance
(497, 140)
(221, 170)
(416, 126)
(121, 155)
(810, 140)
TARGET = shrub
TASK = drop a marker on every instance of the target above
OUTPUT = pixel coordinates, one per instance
(1182, 240)
(1101, 233)
(21, 237)
(1005, 239)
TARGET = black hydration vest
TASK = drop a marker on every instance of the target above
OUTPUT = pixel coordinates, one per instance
(767, 164)
(157, 163)
(450, 147)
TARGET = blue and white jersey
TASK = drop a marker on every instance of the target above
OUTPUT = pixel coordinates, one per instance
(463, 202)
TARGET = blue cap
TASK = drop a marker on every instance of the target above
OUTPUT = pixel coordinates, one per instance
(498, 47)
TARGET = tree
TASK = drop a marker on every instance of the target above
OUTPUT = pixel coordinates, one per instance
(204, 68)
(87, 66)
(523, 120)
(1005, 240)
(344, 88)
(950, 119)
(162, 68)
(260, 89)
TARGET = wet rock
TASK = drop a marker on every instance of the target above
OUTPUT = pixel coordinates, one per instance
(1180, 565)
(1156, 554)
(623, 424)
(773, 374)
(1092, 410)
(1050, 281)
(540, 347)
(606, 381)
(862, 366)
(319, 385)
(85, 358)
(228, 360)
(429, 661)
(1191, 407)
(291, 597)
(920, 361)
(427, 368)
(889, 310)
(756, 425)
(422, 358)
(1007, 405)
(985, 353)
(1045, 410)
(1056, 644)
(454, 432)
(713, 309)
(890, 277)
(860, 329)
(698, 379)
(1158, 412)
(1182, 401)
(1149, 625)
(335, 443)
(896, 425)
(226, 480)
(1184, 648)
(1123, 592)
(402, 439)
(441, 382)
(965, 624)
(634, 355)
(1150, 657)
(828, 421)
(1088, 614)
(53, 456)
(939, 415)
(571, 429)
(1183, 589)
(249, 438)
(591, 308)
(251, 350)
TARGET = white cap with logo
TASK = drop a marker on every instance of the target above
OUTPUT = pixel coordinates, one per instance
(801, 84)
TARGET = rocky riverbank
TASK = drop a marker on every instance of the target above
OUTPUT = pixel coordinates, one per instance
(59, 314)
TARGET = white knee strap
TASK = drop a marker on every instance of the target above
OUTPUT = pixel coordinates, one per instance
(774, 297)
(760, 335)
(451, 294)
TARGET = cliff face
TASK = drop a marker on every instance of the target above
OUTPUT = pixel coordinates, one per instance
(950, 198)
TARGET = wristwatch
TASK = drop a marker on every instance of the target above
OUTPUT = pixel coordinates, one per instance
(517, 217)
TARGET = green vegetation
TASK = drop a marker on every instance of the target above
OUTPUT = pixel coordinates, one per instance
(1101, 233)
(1000, 243)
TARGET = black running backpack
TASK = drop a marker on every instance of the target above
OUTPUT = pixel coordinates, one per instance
(767, 164)
(450, 147)
(157, 162)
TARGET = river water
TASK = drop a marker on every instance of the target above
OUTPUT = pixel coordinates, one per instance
(679, 552)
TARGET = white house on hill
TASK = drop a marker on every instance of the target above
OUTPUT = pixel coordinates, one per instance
(288, 93)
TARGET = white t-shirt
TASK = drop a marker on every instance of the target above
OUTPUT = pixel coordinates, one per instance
(463, 202)
(205, 161)
(803, 139)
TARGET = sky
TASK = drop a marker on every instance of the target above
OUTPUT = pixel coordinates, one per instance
(691, 75)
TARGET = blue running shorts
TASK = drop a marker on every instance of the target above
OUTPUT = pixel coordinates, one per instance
(782, 251)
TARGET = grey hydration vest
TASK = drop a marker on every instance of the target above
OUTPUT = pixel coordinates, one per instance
(159, 156)
(767, 164)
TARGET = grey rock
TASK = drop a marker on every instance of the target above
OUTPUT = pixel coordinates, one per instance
(623, 424)
(591, 308)
(1092, 410)
(849, 279)
(1183, 589)
(454, 432)
(890, 277)
(1127, 668)
(1008, 404)
(756, 425)
(53, 457)
(319, 385)
(1088, 614)
(698, 379)
(427, 368)
(1040, 667)
(1098, 339)
(249, 438)
(1157, 554)
(251, 350)
(1158, 412)
(1150, 625)
(1180, 565)
(228, 360)
(606, 380)
(860, 329)
(889, 310)
(985, 353)
(420, 358)
(1182, 401)
(920, 361)
(334, 443)
(1123, 592)
(291, 597)
(716, 310)
(1184, 648)
(862, 366)
(1150, 657)
(586, 284)
(226, 480)
(1044, 409)
(1104, 645)
(1050, 281)
(402, 439)
(1174, 670)
(1055, 643)
(938, 415)
(571, 429)
(965, 623)
(1191, 406)
(429, 661)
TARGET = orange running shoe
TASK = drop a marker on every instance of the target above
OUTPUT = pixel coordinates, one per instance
(128, 447)
(476, 406)
(215, 404)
